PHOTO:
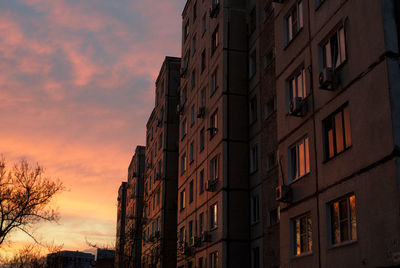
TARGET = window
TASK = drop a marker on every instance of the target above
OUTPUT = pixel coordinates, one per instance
(273, 216)
(194, 11)
(214, 41)
(343, 220)
(268, 11)
(334, 50)
(193, 81)
(201, 181)
(252, 63)
(255, 256)
(183, 199)
(191, 192)
(191, 152)
(213, 82)
(255, 208)
(200, 263)
(213, 216)
(184, 95)
(297, 85)
(214, 169)
(190, 231)
(192, 116)
(185, 63)
(294, 21)
(213, 124)
(203, 97)
(182, 236)
(203, 60)
(302, 234)
(213, 259)
(160, 141)
(162, 85)
(201, 223)
(269, 58)
(270, 108)
(271, 160)
(154, 202)
(183, 129)
(203, 25)
(158, 170)
(337, 133)
(186, 31)
(253, 110)
(299, 159)
(183, 163)
(253, 20)
(193, 44)
(158, 197)
(253, 159)
(201, 140)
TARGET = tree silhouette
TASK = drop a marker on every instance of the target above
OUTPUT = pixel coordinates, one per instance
(25, 196)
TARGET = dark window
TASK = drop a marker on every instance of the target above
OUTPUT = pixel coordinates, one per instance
(201, 181)
(253, 21)
(183, 199)
(201, 140)
(253, 63)
(253, 110)
(213, 82)
(191, 186)
(255, 208)
(194, 11)
(213, 124)
(214, 40)
(191, 152)
(203, 60)
(255, 257)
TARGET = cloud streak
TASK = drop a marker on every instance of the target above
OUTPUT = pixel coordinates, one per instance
(76, 89)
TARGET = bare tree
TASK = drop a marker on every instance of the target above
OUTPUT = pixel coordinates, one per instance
(25, 196)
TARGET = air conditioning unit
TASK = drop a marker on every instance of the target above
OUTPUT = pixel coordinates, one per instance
(296, 106)
(201, 112)
(327, 79)
(283, 194)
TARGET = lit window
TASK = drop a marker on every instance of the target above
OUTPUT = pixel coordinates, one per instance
(213, 259)
(183, 163)
(337, 132)
(299, 159)
(297, 85)
(213, 216)
(334, 50)
(183, 199)
(294, 21)
(343, 220)
(302, 234)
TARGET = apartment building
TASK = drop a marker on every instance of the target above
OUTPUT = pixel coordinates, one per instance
(134, 209)
(338, 91)
(161, 172)
(121, 220)
(213, 201)
(263, 168)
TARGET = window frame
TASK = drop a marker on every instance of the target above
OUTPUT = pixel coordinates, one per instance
(213, 213)
(295, 225)
(290, 31)
(295, 174)
(341, 41)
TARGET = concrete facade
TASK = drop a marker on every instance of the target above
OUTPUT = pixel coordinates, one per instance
(213, 214)
(160, 181)
(338, 141)
(121, 220)
(134, 209)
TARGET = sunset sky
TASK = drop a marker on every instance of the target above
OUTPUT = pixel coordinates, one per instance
(76, 89)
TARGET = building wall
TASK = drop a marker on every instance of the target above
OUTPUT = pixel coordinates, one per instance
(367, 168)
(230, 192)
(159, 214)
(121, 216)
